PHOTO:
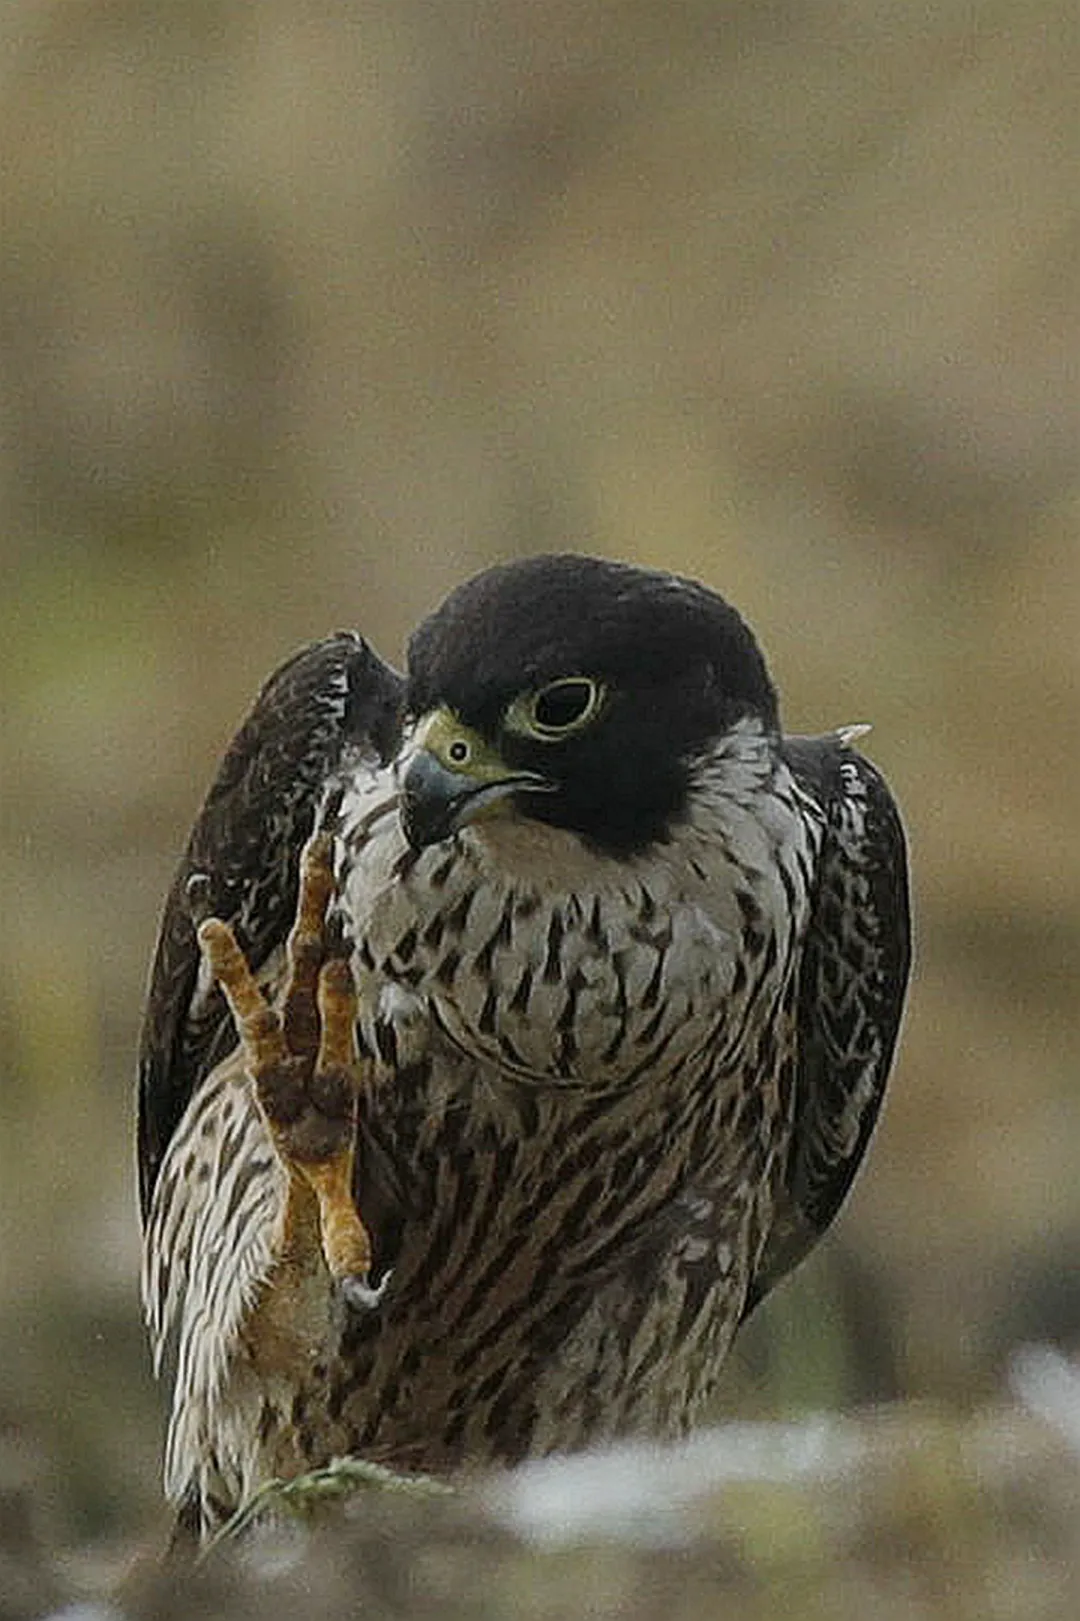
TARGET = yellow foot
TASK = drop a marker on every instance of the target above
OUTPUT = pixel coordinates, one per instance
(305, 1065)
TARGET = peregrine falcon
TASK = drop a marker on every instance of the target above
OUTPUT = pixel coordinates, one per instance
(514, 1025)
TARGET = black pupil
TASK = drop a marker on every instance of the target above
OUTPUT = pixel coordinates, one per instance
(560, 706)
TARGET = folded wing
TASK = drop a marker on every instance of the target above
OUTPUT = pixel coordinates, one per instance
(333, 699)
(851, 992)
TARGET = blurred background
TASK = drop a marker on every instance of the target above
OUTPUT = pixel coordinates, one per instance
(311, 308)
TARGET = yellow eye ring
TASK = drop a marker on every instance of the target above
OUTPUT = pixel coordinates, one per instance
(558, 709)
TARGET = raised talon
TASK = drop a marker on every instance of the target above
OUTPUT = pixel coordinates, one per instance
(307, 945)
(304, 1065)
(258, 1026)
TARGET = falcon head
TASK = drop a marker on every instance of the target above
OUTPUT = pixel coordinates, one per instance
(578, 693)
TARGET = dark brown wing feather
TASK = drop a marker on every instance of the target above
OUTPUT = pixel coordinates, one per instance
(328, 699)
(851, 992)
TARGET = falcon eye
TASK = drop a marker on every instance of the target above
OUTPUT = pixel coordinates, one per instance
(558, 709)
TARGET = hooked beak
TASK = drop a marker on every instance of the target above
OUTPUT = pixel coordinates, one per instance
(454, 778)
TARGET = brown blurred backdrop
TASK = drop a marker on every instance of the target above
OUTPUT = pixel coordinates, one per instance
(310, 308)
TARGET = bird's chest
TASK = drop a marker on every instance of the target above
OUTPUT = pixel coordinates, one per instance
(553, 976)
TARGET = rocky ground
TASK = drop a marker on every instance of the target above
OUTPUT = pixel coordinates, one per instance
(898, 1514)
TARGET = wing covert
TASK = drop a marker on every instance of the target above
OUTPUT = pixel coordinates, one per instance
(329, 699)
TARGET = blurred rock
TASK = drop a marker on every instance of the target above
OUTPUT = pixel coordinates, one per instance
(899, 1514)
